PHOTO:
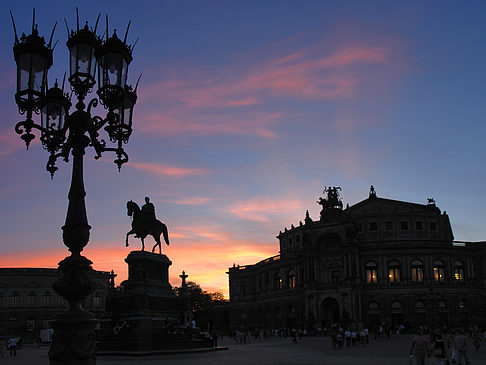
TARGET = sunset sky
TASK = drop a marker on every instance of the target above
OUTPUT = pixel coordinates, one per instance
(245, 111)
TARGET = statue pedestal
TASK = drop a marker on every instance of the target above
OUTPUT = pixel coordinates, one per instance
(145, 315)
(148, 273)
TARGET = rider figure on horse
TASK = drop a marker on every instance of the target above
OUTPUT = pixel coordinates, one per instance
(148, 213)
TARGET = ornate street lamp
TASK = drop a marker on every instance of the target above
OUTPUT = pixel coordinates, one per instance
(63, 133)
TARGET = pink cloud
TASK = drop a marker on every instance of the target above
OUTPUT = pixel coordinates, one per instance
(175, 121)
(191, 201)
(262, 209)
(11, 142)
(167, 170)
(296, 75)
(236, 99)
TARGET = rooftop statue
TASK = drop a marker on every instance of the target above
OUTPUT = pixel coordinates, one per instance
(332, 201)
(145, 223)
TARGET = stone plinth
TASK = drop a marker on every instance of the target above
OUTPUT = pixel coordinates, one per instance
(148, 273)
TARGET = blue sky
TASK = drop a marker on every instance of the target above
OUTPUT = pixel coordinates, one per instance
(245, 111)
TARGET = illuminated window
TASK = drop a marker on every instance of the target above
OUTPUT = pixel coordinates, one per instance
(462, 304)
(396, 305)
(394, 272)
(417, 271)
(458, 271)
(32, 299)
(373, 306)
(291, 280)
(442, 304)
(371, 270)
(419, 305)
(278, 282)
(439, 270)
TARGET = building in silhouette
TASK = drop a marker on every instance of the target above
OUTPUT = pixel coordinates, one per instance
(28, 302)
(378, 261)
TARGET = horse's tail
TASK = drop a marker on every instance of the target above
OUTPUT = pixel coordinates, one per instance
(166, 235)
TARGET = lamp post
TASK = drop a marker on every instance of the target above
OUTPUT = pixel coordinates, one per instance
(62, 133)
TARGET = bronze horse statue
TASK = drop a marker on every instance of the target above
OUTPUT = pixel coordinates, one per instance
(141, 229)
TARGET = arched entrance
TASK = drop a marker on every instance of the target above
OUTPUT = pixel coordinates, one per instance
(329, 312)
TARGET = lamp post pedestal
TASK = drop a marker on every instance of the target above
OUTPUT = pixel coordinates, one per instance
(73, 339)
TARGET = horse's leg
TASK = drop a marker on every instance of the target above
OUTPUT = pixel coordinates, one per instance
(157, 239)
(128, 234)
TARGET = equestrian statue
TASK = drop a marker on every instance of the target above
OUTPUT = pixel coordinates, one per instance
(144, 223)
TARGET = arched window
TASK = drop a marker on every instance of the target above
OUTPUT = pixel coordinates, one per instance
(371, 272)
(394, 271)
(278, 281)
(373, 306)
(417, 271)
(396, 305)
(32, 299)
(419, 306)
(438, 270)
(458, 271)
(291, 279)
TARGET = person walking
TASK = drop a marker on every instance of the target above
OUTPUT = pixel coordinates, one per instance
(438, 352)
(347, 334)
(12, 345)
(460, 346)
(419, 348)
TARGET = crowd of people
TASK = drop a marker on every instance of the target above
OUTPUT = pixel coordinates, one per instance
(453, 350)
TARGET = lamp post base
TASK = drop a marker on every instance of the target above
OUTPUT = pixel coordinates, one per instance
(74, 339)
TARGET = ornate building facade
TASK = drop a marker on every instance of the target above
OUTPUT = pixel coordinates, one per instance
(28, 302)
(378, 261)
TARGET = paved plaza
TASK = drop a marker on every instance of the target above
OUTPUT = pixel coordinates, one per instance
(312, 350)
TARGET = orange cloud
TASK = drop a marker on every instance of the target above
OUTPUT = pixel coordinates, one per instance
(204, 253)
(167, 170)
